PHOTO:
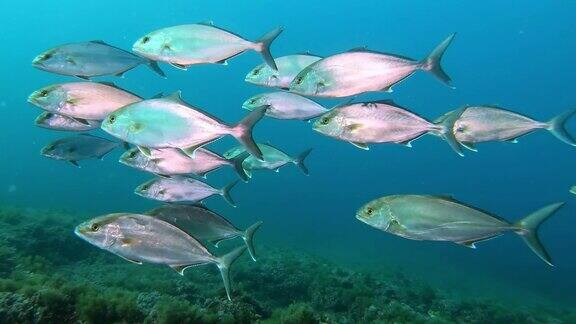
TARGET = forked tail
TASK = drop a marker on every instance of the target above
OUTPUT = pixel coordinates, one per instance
(264, 46)
(224, 262)
(432, 63)
(248, 238)
(557, 126)
(243, 131)
(527, 228)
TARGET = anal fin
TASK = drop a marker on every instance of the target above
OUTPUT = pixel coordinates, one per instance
(363, 146)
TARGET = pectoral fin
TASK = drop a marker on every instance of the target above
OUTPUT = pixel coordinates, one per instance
(75, 163)
(145, 151)
(363, 146)
(468, 244)
(353, 127)
(470, 146)
(82, 121)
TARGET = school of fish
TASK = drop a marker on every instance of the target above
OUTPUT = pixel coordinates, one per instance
(167, 137)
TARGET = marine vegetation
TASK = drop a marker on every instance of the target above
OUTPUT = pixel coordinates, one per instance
(53, 277)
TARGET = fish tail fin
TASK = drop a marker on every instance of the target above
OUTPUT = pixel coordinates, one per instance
(557, 126)
(527, 228)
(243, 131)
(432, 63)
(264, 46)
(225, 192)
(248, 238)
(299, 161)
(237, 164)
(224, 262)
(446, 130)
(153, 65)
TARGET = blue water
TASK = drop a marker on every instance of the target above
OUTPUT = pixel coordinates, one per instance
(516, 54)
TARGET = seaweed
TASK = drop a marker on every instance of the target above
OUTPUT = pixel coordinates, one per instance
(50, 276)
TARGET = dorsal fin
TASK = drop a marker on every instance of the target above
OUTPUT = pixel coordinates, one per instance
(207, 23)
(108, 83)
(359, 49)
(98, 41)
(308, 53)
(176, 97)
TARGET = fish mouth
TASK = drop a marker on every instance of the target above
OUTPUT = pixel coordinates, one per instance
(37, 61)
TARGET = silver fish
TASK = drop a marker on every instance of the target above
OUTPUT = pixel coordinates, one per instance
(274, 159)
(204, 224)
(186, 45)
(182, 189)
(170, 162)
(90, 59)
(181, 126)
(435, 218)
(63, 123)
(285, 105)
(145, 239)
(78, 147)
(382, 122)
(489, 123)
(288, 67)
(361, 70)
(82, 100)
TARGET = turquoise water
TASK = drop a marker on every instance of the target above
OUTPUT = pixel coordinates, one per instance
(518, 55)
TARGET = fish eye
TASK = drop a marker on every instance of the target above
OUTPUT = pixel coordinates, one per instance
(369, 211)
(94, 227)
(146, 39)
(43, 93)
(324, 120)
(253, 101)
(132, 155)
(145, 188)
(112, 119)
(47, 56)
(298, 80)
(256, 72)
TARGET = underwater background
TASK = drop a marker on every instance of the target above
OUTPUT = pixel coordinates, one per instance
(317, 261)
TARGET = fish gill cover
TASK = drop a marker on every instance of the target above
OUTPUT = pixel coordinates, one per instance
(378, 224)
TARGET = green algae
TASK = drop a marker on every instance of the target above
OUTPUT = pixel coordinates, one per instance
(50, 276)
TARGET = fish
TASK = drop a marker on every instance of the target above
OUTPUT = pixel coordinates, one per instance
(285, 105)
(382, 122)
(78, 147)
(64, 123)
(182, 189)
(168, 162)
(170, 122)
(186, 45)
(204, 224)
(573, 190)
(90, 59)
(288, 67)
(145, 239)
(439, 218)
(82, 100)
(487, 123)
(361, 70)
(274, 159)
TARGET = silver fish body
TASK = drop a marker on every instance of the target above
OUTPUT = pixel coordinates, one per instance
(381, 122)
(479, 124)
(361, 70)
(79, 147)
(285, 105)
(171, 161)
(170, 122)
(64, 123)
(90, 59)
(437, 218)
(83, 100)
(204, 224)
(145, 239)
(288, 67)
(274, 159)
(186, 45)
(181, 189)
